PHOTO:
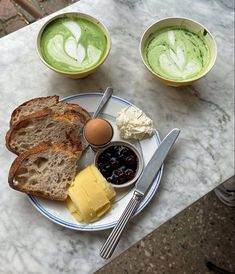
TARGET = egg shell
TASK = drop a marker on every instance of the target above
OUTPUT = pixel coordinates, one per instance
(98, 132)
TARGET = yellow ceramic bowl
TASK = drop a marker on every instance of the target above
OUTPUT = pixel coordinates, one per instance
(190, 25)
(80, 74)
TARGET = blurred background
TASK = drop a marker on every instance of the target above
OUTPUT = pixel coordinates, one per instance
(17, 14)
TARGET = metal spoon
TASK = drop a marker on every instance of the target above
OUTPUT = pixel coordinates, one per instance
(105, 98)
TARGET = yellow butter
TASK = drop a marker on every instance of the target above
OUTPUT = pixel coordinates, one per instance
(96, 199)
(103, 183)
(89, 195)
(80, 201)
(93, 192)
(70, 205)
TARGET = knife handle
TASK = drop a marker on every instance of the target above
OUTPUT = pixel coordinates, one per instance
(109, 246)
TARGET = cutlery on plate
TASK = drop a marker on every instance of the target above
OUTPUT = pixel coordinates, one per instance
(142, 186)
(105, 98)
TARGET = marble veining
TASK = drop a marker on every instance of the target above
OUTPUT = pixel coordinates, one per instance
(201, 160)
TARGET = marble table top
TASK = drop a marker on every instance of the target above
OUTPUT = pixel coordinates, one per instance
(201, 160)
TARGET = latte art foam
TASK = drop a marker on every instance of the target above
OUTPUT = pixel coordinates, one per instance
(177, 54)
(73, 44)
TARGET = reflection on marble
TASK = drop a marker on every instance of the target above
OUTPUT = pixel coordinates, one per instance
(201, 160)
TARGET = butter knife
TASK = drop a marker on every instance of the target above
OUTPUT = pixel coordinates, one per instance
(142, 186)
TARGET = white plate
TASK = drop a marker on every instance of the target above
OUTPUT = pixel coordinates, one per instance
(58, 213)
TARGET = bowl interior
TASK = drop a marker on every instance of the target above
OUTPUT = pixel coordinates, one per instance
(78, 15)
(186, 24)
(133, 148)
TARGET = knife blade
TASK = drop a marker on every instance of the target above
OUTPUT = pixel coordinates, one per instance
(142, 186)
(156, 162)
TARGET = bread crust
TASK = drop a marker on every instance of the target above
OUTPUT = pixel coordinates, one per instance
(70, 106)
(21, 123)
(43, 147)
(73, 114)
(66, 116)
(79, 109)
(19, 108)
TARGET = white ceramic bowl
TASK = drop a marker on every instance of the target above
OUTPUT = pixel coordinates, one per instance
(190, 25)
(139, 157)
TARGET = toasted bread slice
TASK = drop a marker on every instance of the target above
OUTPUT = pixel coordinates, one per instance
(41, 103)
(46, 170)
(45, 126)
(32, 106)
(62, 108)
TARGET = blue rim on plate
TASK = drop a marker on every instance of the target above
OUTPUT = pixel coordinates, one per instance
(143, 204)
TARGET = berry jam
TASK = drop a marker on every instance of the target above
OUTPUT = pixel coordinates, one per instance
(118, 164)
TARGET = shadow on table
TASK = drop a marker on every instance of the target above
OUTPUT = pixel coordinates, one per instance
(96, 82)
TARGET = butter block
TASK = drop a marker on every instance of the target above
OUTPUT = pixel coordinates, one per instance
(108, 188)
(71, 207)
(81, 203)
(90, 195)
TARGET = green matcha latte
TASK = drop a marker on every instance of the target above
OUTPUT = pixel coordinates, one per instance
(176, 54)
(73, 44)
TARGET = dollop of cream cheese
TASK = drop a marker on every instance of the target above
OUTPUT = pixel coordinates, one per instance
(133, 123)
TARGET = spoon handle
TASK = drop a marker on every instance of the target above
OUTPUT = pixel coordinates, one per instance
(106, 96)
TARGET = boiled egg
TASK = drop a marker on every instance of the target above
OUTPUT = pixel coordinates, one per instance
(98, 132)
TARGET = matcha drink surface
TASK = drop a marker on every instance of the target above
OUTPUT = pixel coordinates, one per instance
(176, 54)
(73, 44)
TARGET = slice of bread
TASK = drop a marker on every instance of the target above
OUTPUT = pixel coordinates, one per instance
(45, 126)
(46, 170)
(62, 108)
(41, 103)
(32, 106)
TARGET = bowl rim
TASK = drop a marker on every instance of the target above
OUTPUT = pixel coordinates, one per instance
(172, 80)
(136, 151)
(84, 16)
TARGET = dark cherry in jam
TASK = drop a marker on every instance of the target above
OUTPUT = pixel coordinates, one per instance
(118, 164)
